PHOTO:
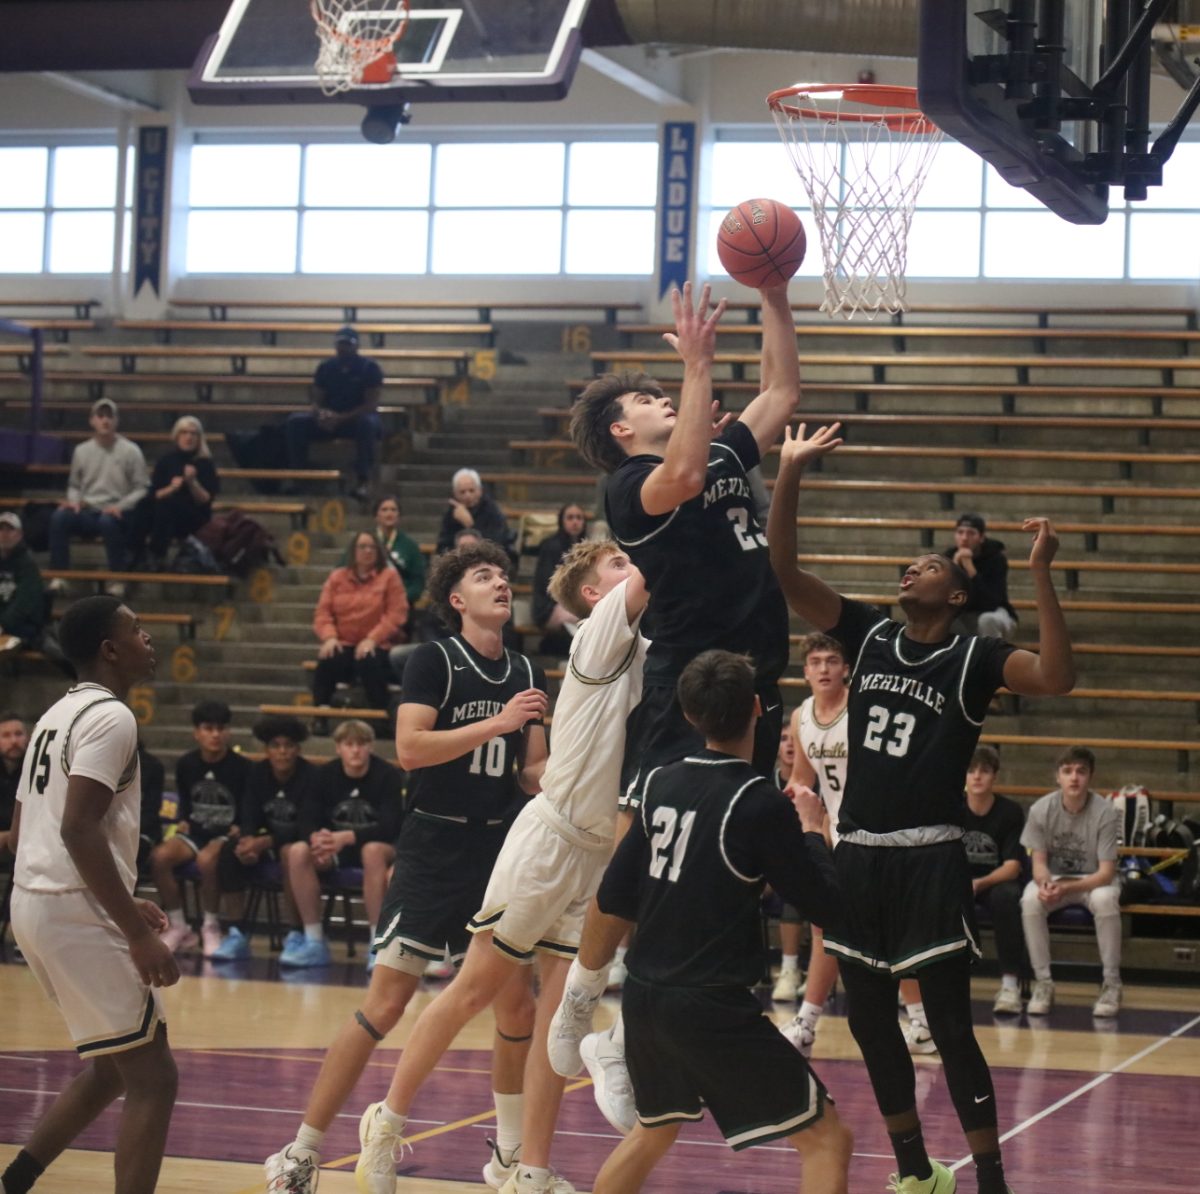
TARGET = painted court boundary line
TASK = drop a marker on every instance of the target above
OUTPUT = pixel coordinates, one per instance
(1091, 1085)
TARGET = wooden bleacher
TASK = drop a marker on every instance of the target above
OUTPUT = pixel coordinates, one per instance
(316, 475)
(271, 329)
(219, 309)
(240, 355)
(171, 579)
(81, 307)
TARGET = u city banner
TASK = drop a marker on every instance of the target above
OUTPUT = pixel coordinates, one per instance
(677, 185)
(148, 210)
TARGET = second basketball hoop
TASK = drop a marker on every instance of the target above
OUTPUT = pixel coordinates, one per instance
(862, 152)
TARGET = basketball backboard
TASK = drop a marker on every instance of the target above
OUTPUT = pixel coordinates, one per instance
(452, 50)
(1053, 93)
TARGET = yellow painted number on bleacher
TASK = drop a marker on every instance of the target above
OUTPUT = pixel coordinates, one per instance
(226, 616)
(484, 366)
(183, 664)
(577, 338)
(458, 390)
(299, 547)
(141, 701)
(262, 587)
(333, 516)
(302, 698)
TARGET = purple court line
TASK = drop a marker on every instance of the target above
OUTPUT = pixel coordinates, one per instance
(1091, 1085)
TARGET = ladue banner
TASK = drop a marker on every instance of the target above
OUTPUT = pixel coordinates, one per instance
(151, 193)
(676, 188)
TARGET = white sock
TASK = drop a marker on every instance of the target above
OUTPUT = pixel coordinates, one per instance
(175, 916)
(371, 936)
(393, 1118)
(590, 982)
(309, 1138)
(617, 1032)
(619, 957)
(509, 1111)
(790, 962)
(539, 1177)
(1008, 982)
(916, 1013)
(810, 1013)
(314, 932)
(210, 919)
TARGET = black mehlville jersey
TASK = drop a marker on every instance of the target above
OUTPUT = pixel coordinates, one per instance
(274, 807)
(450, 676)
(706, 564)
(915, 713)
(692, 868)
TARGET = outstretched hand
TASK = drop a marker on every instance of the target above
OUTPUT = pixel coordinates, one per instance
(798, 452)
(695, 335)
(1045, 542)
(721, 421)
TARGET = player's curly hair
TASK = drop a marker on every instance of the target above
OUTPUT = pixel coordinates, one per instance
(85, 626)
(578, 568)
(819, 642)
(716, 694)
(450, 568)
(597, 408)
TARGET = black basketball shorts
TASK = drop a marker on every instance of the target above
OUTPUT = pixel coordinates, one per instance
(693, 1047)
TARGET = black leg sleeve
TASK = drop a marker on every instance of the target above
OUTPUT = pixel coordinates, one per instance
(876, 1028)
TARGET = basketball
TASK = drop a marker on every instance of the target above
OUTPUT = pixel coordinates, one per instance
(761, 243)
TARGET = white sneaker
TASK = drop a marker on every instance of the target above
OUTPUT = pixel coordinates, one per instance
(179, 937)
(919, 1038)
(571, 1022)
(616, 976)
(788, 986)
(610, 1078)
(498, 1171)
(210, 940)
(115, 588)
(1109, 1003)
(375, 1170)
(1042, 999)
(1007, 1002)
(292, 1170)
(800, 1035)
(57, 586)
(523, 1182)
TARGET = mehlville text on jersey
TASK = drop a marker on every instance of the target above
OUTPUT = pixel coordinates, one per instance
(903, 686)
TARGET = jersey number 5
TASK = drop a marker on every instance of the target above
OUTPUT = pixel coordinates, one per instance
(902, 726)
(667, 843)
(40, 761)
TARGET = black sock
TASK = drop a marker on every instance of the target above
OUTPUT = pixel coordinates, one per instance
(911, 1158)
(989, 1170)
(21, 1174)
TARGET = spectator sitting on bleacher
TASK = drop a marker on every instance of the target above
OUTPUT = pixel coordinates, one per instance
(360, 615)
(987, 611)
(350, 819)
(150, 828)
(105, 484)
(276, 788)
(182, 488)
(1073, 834)
(555, 621)
(402, 551)
(992, 838)
(346, 390)
(22, 593)
(209, 782)
(14, 738)
(470, 507)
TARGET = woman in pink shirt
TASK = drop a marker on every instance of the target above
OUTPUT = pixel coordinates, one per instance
(360, 613)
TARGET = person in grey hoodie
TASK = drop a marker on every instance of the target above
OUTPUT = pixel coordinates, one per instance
(107, 480)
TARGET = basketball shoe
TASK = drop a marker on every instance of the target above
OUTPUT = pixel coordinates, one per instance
(380, 1144)
(1042, 998)
(1109, 1002)
(497, 1171)
(179, 937)
(571, 1022)
(1008, 1002)
(800, 1034)
(612, 1089)
(292, 1170)
(919, 1038)
(523, 1181)
(941, 1182)
(788, 986)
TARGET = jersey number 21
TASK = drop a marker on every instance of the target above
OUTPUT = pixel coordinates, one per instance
(671, 833)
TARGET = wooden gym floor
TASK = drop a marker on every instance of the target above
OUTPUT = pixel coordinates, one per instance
(1086, 1105)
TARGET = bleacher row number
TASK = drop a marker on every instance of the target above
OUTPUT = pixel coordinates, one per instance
(226, 616)
(301, 699)
(183, 664)
(483, 365)
(330, 518)
(262, 586)
(577, 338)
(299, 548)
(141, 701)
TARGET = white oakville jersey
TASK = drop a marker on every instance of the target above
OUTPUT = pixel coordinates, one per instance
(826, 749)
(603, 683)
(90, 733)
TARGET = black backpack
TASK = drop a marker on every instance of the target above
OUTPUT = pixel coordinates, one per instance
(238, 543)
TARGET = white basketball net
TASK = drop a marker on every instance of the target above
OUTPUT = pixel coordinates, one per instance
(863, 169)
(353, 34)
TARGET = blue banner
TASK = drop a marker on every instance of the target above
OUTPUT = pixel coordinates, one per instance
(676, 188)
(148, 211)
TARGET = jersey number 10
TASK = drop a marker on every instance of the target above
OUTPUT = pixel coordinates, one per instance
(488, 758)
